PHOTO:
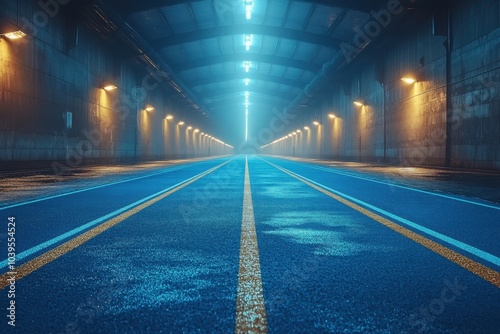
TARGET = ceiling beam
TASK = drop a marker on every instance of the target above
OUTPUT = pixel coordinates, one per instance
(246, 29)
(262, 102)
(240, 99)
(358, 5)
(252, 57)
(250, 76)
(129, 7)
(239, 91)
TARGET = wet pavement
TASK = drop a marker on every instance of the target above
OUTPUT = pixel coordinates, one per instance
(159, 247)
(24, 184)
(482, 184)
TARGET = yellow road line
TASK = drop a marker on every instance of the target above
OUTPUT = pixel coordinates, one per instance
(476, 268)
(38, 262)
(250, 308)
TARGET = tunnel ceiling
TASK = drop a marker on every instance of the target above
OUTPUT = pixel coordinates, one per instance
(203, 42)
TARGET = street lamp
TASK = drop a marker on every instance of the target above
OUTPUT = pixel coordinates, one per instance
(109, 87)
(408, 79)
(14, 35)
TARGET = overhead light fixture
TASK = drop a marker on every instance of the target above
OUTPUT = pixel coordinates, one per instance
(109, 87)
(169, 117)
(180, 123)
(359, 103)
(248, 41)
(14, 34)
(149, 108)
(196, 130)
(316, 123)
(247, 81)
(299, 131)
(409, 80)
(306, 128)
(246, 65)
(248, 9)
(332, 116)
(189, 127)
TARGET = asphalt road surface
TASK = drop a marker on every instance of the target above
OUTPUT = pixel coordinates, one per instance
(249, 244)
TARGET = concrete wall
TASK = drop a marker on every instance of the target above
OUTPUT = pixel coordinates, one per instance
(45, 75)
(475, 137)
(415, 116)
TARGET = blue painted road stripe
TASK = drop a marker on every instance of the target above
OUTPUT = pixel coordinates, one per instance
(478, 269)
(94, 222)
(88, 189)
(329, 170)
(461, 245)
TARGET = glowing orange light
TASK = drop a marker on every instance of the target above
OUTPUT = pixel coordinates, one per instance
(408, 80)
(109, 87)
(14, 34)
(358, 103)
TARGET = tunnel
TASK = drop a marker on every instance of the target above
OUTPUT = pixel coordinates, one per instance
(249, 166)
